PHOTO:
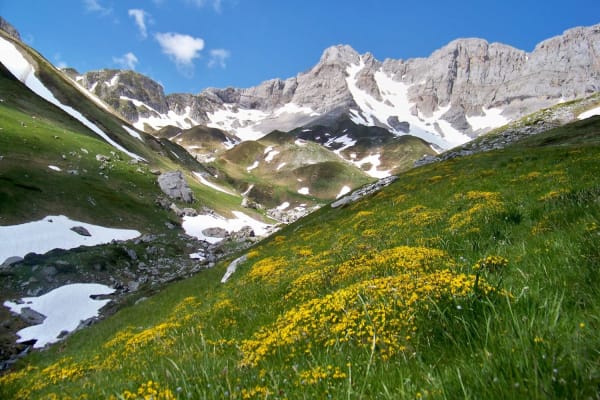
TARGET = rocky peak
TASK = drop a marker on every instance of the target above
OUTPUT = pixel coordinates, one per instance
(117, 88)
(10, 30)
(340, 54)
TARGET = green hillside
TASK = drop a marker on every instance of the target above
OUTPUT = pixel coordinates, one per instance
(278, 167)
(471, 278)
(35, 134)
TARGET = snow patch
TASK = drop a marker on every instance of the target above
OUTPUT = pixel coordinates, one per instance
(395, 103)
(18, 65)
(589, 113)
(253, 166)
(305, 191)
(64, 309)
(238, 121)
(54, 232)
(373, 159)
(206, 182)
(491, 119)
(281, 166)
(194, 226)
(343, 191)
(269, 157)
(54, 168)
(133, 133)
(283, 206)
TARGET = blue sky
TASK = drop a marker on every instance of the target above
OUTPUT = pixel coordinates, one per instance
(188, 45)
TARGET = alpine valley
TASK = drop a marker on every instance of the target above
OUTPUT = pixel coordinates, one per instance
(421, 228)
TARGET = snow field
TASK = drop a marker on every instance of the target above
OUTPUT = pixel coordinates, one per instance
(64, 309)
(54, 232)
(194, 226)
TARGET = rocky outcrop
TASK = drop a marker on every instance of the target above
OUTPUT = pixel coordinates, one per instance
(122, 90)
(173, 184)
(10, 30)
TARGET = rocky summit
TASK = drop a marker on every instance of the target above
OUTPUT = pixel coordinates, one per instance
(462, 90)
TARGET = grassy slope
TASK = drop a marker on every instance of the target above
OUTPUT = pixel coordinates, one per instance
(378, 299)
(325, 176)
(36, 134)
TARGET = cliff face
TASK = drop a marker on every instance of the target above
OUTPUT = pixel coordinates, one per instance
(460, 91)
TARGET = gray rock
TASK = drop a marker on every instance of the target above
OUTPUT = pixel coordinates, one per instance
(102, 158)
(132, 254)
(31, 316)
(364, 191)
(80, 230)
(215, 232)
(9, 29)
(173, 184)
(12, 260)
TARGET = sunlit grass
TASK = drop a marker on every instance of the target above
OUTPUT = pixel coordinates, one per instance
(472, 278)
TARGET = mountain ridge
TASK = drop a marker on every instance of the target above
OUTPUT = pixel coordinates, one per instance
(460, 91)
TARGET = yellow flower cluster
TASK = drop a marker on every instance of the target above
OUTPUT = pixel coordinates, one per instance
(150, 390)
(419, 216)
(491, 264)
(256, 392)
(64, 369)
(268, 270)
(378, 313)
(129, 341)
(390, 261)
(553, 195)
(480, 205)
(319, 373)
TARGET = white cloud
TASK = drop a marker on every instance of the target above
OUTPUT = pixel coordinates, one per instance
(218, 58)
(128, 61)
(95, 6)
(140, 20)
(181, 48)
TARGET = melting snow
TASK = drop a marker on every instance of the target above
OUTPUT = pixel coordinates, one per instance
(253, 166)
(300, 142)
(291, 108)
(589, 113)
(395, 103)
(343, 191)
(194, 226)
(283, 206)
(281, 166)
(492, 119)
(229, 119)
(18, 65)
(304, 191)
(64, 309)
(133, 133)
(54, 232)
(373, 159)
(54, 168)
(204, 181)
(269, 157)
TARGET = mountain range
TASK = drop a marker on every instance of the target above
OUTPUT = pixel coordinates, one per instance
(462, 90)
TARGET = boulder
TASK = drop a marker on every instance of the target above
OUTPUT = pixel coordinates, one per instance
(215, 232)
(173, 184)
(80, 230)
